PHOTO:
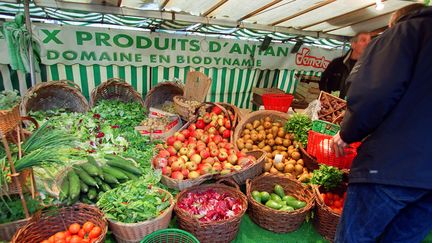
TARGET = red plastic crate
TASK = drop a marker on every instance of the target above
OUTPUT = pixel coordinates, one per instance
(319, 147)
(278, 102)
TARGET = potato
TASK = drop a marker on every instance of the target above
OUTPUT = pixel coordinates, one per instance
(298, 169)
(281, 133)
(275, 152)
(280, 166)
(261, 145)
(269, 155)
(300, 162)
(273, 171)
(254, 147)
(248, 146)
(268, 119)
(282, 148)
(256, 123)
(260, 128)
(267, 166)
(250, 141)
(254, 137)
(240, 140)
(267, 125)
(286, 142)
(295, 155)
(275, 129)
(284, 154)
(240, 145)
(293, 162)
(244, 150)
(291, 147)
(267, 149)
(287, 136)
(261, 136)
(278, 141)
(249, 126)
(269, 136)
(289, 168)
(270, 142)
(246, 137)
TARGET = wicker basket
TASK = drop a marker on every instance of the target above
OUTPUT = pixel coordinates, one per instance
(275, 220)
(275, 115)
(9, 119)
(310, 163)
(251, 172)
(12, 136)
(23, 177)
(208, 232)
(326, 220)
(186, 111)
(235, 110)
(115, 89)
(54, 95)
(135, 232)
(162, 92)
(48, 222)
(183, 184)
(7, 230)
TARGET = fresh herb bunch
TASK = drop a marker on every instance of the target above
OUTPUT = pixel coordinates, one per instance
(12, 209)
(299, 124)
(327, 176)
(135, 201)
(8, 99)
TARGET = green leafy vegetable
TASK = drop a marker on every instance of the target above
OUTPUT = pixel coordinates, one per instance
(8, 99)
(327, 176)
(299, 124)
(12, 209)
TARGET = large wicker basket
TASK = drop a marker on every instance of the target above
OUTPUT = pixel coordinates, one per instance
(48, 222)
(115, 89)
(219, 231)
(135, 232)
(9, 119)
(183, 184)
(251, 172)
(7, 230)
(275, 220)
(325, 220)
(235, 110)
(54, 95)
(163, 92)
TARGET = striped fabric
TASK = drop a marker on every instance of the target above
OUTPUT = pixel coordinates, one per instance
(229, 85)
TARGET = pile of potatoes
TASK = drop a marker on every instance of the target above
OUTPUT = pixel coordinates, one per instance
(270, 136)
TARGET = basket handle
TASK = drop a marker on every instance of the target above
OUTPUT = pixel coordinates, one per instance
(73, 84)
(248, 185)
(228, 182)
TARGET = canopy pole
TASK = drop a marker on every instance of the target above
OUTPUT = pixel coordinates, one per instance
(30, 50)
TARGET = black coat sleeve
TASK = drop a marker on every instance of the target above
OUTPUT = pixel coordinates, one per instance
(379, 80)
(324, 81)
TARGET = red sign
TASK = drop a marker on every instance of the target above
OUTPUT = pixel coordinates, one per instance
(304, 59)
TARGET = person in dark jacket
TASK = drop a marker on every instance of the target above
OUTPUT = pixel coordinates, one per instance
(389, 197)
(333, 78)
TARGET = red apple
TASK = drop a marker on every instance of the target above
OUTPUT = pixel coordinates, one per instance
(221, 145)
(227, 124)
(186, 133)
(222, 130)
(192, 127)
(214, 117)
(214, 152)
(204, 168)
(222, 156)
(232, 151)
(183, 151)
(193, 175)
(171, 160)
(223, 150)
(181, 137)
(226, 134)
(220, 121)
(192, 140)
(227, 165)
(178, 165)
(211, 144)
(191, 146)
(178, 145)
(196, 158)
(232, 159)
(207, 118)
(177, 175)
(200, 148)
(212, 130)
(166, 171)
(185, 158)
(204, 154)
(240, 154)
(217, 110)
(191, 166)
(200, 124)
(164, 154)
(159, 162)
(217, 139)
(185, 172)
(205, 138)
(209, 161)
(229, 146)
(237, 167)
(190, 153)
(217, 166)
(225, 171)
(172, 151)
(171, 140)
(225, 140)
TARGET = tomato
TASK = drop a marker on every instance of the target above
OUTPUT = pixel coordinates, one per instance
(88, 226)
(76, 239)
(338, 204)
(68, 238)
(337, 210)
(67, 233)
(59, 236)
(81, 233)
(74, 228)
(51, 239)
(336, 197)
(60, 241)
(95, 232)
(85, 241)
(45, 241)
(330, 195)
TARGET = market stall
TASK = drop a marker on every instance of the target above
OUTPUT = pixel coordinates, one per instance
(152, 136)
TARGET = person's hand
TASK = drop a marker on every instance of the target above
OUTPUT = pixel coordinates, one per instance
(338, 145)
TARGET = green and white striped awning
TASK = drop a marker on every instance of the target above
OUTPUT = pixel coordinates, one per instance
(70, 17)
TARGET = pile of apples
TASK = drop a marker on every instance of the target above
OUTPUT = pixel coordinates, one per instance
(203, 148)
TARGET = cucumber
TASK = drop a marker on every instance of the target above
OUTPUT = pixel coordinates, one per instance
(92, 161)
(105, 187)
(84, 188)
(90, 169)
(131, 176)
(122, 164)
(98, 181)
(64, 189)
(86, 200)
(74, 186)
(92, 193)
(118, 174)
(86, 178)
(110, 179)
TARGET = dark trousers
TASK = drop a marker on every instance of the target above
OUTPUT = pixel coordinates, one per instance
(382, 213)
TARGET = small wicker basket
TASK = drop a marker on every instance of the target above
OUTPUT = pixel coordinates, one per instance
(54, 95)
(219, 231)
(275, 220)
(135, 232)
(115, 89)
(163, 92)
(48, 222)
(9, 119)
